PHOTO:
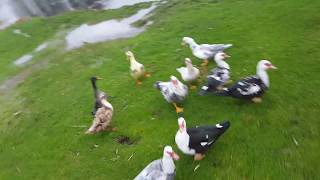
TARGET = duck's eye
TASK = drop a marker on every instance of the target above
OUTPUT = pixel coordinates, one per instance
(267, 64)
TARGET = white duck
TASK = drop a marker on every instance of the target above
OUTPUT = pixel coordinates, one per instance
(173, 92)
(137, 69)
(161, 169)
(189, 73)
(204, 51)
(252, 87)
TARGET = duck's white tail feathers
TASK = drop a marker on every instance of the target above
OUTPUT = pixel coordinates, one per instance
(182, 70)
(227, 46)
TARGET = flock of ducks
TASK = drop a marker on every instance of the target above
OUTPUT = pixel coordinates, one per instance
(194, 141)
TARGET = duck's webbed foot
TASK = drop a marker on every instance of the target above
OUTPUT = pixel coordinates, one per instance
(198, 157)
(205, 62)
(220, 88)
(138, 82)
(178, 109)
(147, 75)
(257, 99)
(112, 129)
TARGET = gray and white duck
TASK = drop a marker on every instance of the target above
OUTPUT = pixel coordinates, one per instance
(173, 92)
(161, 169)
(252, 87)
(198, 140)
(218, 76)
(204, 51)
(102, 112)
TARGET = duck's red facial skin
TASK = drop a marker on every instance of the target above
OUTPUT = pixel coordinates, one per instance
(173, 155)
(270, 66)
(182, 126)
(175, 82)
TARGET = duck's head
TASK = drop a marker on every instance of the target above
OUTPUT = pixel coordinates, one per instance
(169, 153)
(95, 78)
(174, 81)
(129, 54)
(188, 61)
(221, 56)
(182, 124)
(187, 40)
(265, 65)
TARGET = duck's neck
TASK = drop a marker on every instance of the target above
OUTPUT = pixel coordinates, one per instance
(184, 137)
(94, 86)
(190, 67)
(168, 165)
(222, 64)
(132, 60)
(263, 75)
(193, 44)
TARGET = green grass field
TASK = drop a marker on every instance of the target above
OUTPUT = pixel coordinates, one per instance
(43, 120)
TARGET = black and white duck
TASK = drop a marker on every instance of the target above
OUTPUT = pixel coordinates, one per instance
(204, 51)
(198, 140)
(161, 169)
(219, 76)
(103, 111)
(252, 87)
(173, 92)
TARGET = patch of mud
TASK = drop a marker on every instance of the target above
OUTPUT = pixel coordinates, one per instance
(125, 140)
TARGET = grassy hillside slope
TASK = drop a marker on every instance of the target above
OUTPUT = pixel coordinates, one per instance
(43, 140)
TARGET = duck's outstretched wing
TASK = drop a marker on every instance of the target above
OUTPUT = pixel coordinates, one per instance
(215, 47)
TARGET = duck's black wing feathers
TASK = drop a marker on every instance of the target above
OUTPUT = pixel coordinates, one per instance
(247, 88)
(203, 137)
